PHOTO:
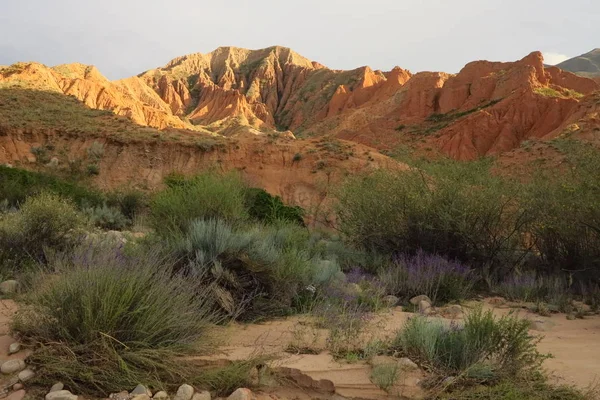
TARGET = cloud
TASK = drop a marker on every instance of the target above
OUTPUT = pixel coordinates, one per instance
(554, 58)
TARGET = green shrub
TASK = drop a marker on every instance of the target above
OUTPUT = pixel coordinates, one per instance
(486, 348)
(16, 184)
(45, 221)
(385, 375)
(264, 207)
(461, 213)
(259, 271)
(204, 196)
(106, 217)
(130, 202)
(110, 320)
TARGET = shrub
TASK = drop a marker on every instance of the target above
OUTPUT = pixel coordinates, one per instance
(17, 184)
(106, 217)
(441, 280)
(461, 213)
(204, 196)
(258, 271)
(485, 348)
(45, 221)
(385, 375)
(264, 207)
(130, 202)
(110, 320)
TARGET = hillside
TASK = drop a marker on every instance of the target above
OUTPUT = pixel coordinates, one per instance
(487, 108)
(587, 64)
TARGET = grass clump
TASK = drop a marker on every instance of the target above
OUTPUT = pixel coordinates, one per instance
(110, 320)
(385, 375)
(486, 348)
(208, 195)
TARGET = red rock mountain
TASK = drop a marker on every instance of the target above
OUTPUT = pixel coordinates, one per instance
(487, 108)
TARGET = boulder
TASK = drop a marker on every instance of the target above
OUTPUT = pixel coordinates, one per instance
(425, 307)
(141, 389)
(12, 366)
(162, 395)
(203, 395)
(185, 392)
(417, 299)
(9, 287)
(407, 364)
(61, 395)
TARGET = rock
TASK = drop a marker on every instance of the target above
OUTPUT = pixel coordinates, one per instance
(203, 395)
(61, 395)
(26, 375)
(124, 395)
(140, 397)
(542, 325)
(56, 387)
(417, 299)
(18, 386)
(382, 360)
(185, 392)
(14, 348)
(12, 366)
(254, 377)
(391, 301)
(18, 395)
(407, 364)
(454, 311)
(9, 287)
(425, 307)
(162, 395)
(242, 394)
(141, 389)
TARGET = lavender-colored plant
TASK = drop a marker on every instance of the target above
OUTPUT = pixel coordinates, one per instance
(442, 280)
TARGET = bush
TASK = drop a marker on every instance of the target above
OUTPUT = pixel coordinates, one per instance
(259, 271)
(461, 213)
(204, 196)
(441, 280)
(266, 208)
(45, 221)
(385, 375)
(130, 202)
(106, 217)
(486, 348)
(110, 320)
(17, 184)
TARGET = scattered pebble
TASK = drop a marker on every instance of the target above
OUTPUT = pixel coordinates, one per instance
(26, 375)
(407, 364)
(203, 395)
(162, 395)
(56, 387)
(425, 307)
(17, 386)
(140, 397)
(141, 389)
(417, 299)
(18, 395)
(14, 348)
(185, 392)
(12, 366)
(9, 287)
(61, 395)
(242, 394)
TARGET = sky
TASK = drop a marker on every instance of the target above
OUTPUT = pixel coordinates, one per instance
(126, 37)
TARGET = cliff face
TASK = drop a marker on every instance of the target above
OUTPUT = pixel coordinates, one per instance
(487, 108)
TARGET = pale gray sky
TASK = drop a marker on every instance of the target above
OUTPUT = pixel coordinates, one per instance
(125, 37)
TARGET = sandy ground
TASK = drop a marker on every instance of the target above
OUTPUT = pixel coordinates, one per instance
(574, 344)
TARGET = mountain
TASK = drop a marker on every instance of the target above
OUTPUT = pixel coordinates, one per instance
(587, 64)
(487, 108)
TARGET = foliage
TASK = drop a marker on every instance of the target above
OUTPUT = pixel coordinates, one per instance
(106, 217)
(385, 375)
(441, 280)
(44, 221)
(485, 348)
(267, 208)
(205, 196)
(111, 319)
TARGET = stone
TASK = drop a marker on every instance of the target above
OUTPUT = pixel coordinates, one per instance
(17, 395)
(254, 377)
(141, 389)
(162, 395)
(9, 287)
(242, 394)
(417, 299)
(12, 366)
(203, 395)
(542, 325)
(14, 348)
(143, 396)
(26, 375)
(124, 395)
(56, 387)
(407, 364)
(425, 307)
(391, 301)
(18, 386)
(185, 392)
(61, 395)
